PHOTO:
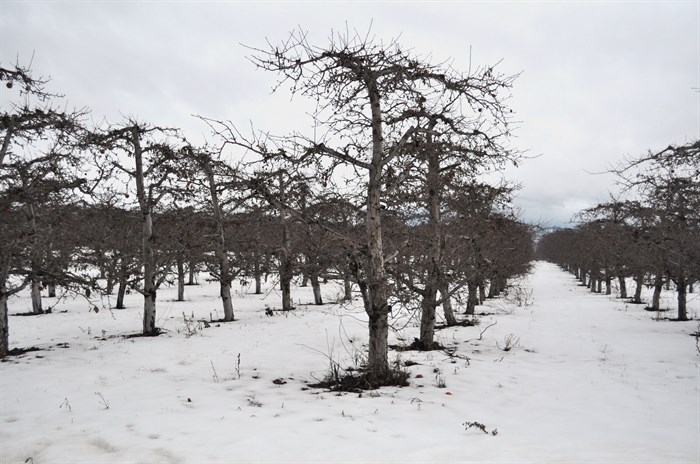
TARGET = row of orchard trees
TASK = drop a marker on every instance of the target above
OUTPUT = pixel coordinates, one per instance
(654, 239)
(132, 205)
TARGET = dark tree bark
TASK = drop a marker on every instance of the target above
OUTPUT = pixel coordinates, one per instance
(109, 287)
(286, 265)
(258, 284)
(472, 298)
(180, 280)
(191, 274)
(492, 289)
(623, 286)
(639, 283)
(432, 281)
(658, 286)
(225, 275)
(121, 291)
(482, 292)
(347, 287)
(316, 287)
(450, 318)
(682, 298)
(122, 279)
(257, 274)
(4, 327)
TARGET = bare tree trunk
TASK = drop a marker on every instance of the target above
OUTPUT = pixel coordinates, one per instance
(599, 288)
(471, 298)
(427, 321)
(120, 293)
(225, 276)
(656, 298)
(482, 292)
(286, 267)
(147, 252)
(122, 278)
(180, 280)
(316, 286)
(191, 272)
(608, 286)
(492, 289)
(681, 292)
(639, 282)
(429, 295)
(36, 296)
(347, 287)
(4, 327)
(35, 289)
(377, 304)
(258, 284)
(4, 295)
(149, 311)
(583, 279)
(149, 278)
(690, 287)
(286, 287)
(258, 274)
(52, 290)
(304, 279)
(623, 287)
(109, 289)
(449, 313)
(226, 301)
(592, 282)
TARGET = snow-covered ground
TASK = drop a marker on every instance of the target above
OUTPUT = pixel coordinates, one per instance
(592, 379)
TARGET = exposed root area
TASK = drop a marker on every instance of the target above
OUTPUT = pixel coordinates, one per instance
(357, 382)
(418, 345)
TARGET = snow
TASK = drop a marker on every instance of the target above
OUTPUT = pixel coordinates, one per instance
(593, 379)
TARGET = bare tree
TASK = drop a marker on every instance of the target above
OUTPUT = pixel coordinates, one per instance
(669, 182)
(38, 165)
(154, 170)
(223, 189)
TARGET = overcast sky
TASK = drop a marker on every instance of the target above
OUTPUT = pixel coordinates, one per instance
(600, 80)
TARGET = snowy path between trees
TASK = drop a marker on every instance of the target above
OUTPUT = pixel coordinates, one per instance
(593, 380)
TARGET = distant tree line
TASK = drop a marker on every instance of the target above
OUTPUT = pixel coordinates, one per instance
(653, 239)
(387, 201)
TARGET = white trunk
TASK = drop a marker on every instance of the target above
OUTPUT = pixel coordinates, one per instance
(36, 297)
(225, 293)
(147, 252)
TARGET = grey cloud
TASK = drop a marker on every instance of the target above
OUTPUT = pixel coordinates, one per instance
(600, 80)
